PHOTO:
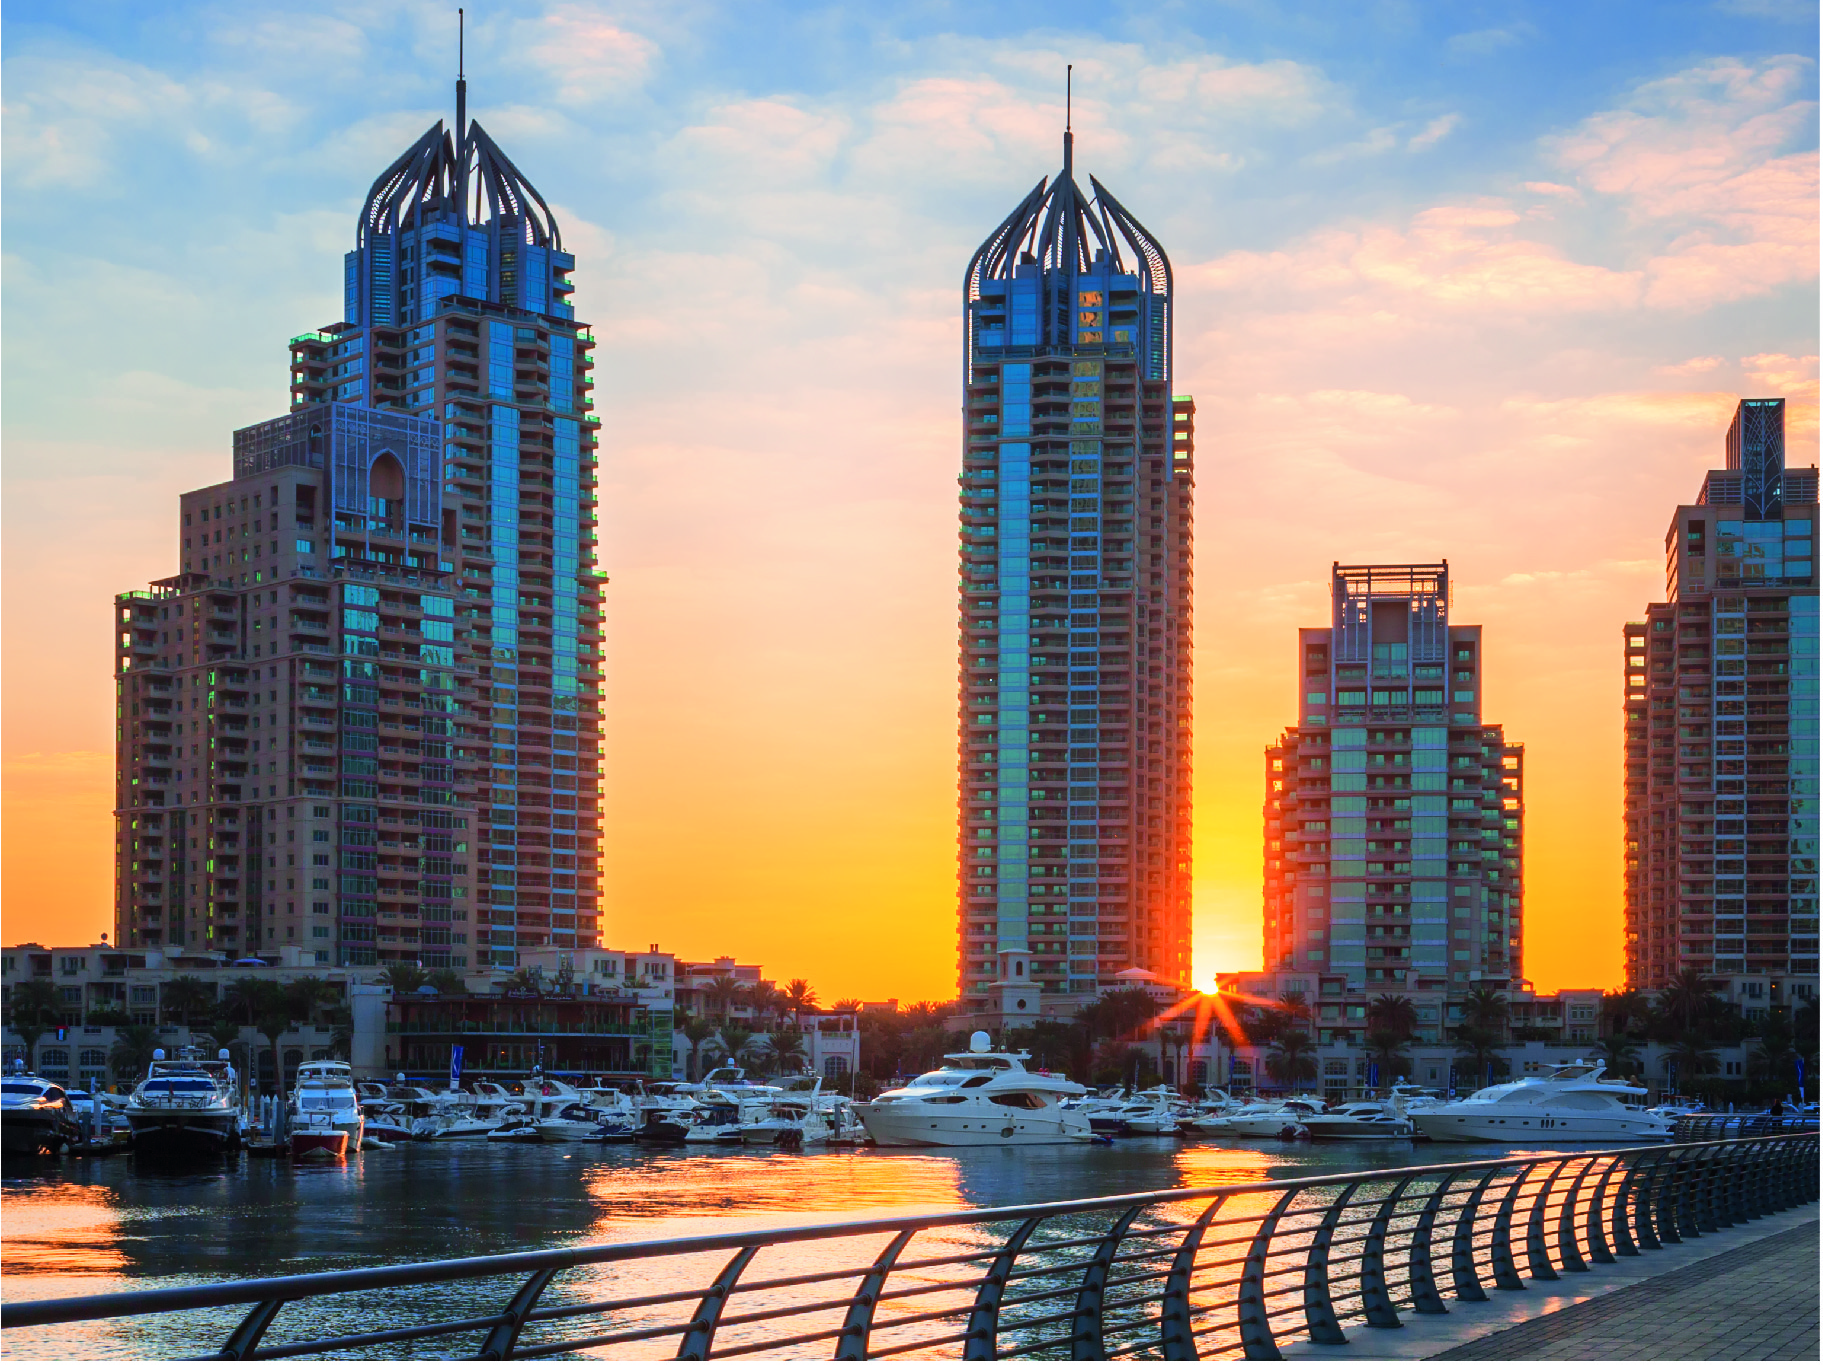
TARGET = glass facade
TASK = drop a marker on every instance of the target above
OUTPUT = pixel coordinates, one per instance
(361, 723)
(1074, 611)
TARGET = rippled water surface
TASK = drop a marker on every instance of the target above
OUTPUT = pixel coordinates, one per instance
(76, 1226)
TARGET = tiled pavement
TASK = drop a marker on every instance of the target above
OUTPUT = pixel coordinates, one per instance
(1755, 1302)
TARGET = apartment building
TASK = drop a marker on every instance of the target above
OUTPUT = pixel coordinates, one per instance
(361, 719)
(1720, 695)
(1075, 626)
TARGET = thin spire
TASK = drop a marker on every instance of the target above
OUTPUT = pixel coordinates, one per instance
(461, 185)
(1069, 138)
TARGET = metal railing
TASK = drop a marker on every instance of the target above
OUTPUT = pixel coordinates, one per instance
(1708, 1127)
(1178, 1274)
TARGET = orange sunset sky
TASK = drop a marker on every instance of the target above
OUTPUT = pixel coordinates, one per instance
(1440, 295)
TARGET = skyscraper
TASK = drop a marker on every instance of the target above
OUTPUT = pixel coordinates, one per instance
(1394, 811)
(1074, 850)
(1721, 711)
(361, 722)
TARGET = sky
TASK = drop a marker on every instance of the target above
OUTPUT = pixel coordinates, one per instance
(1472, 281)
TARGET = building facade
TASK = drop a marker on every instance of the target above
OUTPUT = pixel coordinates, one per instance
(1394, 812)
(1720, 688)
(1075, 628)
(361, 720)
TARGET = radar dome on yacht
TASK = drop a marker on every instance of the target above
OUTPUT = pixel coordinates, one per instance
(222, 1055)
(158, 1054)
(978, 1041)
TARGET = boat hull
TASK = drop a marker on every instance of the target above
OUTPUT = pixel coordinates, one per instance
(914, 1126)
(319, 1144)
(35, 1132)
(189, 1133)
(1512, 1125)
(1358, 1132)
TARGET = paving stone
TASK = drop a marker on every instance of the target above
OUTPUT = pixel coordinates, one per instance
(1757, 1302)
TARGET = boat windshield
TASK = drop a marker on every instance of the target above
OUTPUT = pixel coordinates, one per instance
(179, 1085)
(12, 1088)
(322, 1102)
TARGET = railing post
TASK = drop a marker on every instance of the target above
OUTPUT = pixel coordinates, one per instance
(852, 1344)
(1176, 1337)
(1319, 1314)
(1724, 1205)
(505, 1335)
(1250, 1303)
(1500, 1245)
(1567, 1251)
(1086, 1341)
(1595, 1225)
(1375, 1301)
(245, 1338)
(1463, 1278)
(1759, 1158)
(1537, 1254)
(1703, 1203)
(1419, 1268)
(983, 1339)
(701, 1336)
(1686, 1183)
(1667, 1178)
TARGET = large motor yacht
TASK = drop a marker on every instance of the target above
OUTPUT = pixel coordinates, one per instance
(977, 1098)
(325, 1117)
(1570, 1104)
(186, 1106)
(1272, 1118)
(1363, 1120)
(36, 1115)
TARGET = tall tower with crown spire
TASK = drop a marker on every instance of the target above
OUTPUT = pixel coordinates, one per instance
(361, 725)
(1074, 802)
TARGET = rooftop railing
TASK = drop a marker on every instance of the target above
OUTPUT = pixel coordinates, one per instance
(1223, 1271)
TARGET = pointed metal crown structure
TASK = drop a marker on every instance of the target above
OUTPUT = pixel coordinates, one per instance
(467, 178)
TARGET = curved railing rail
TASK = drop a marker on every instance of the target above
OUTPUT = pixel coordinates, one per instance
(1176, 1274)
(1708, 1127)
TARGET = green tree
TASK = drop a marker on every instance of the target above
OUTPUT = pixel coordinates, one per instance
(243, 997)
(784, 1048)
(766, 1001)
(404, 977)
(276, 1011)
(736, 1039)
(1479, 1047)
(1692, 1055)
(1485, 1008)
(1386, 1046)
(184, 999)
(1395, 1014)
(1621, 1053)
(1687, 999)
(34, 1013)
(696, 1031)
(448, 981)
(802, 995)
(721, 995)
(1625, 1011)
(1291, 1058)
(131, 1056)
(312, 996)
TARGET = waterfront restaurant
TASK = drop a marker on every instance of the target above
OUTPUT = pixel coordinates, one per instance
(508, 1035)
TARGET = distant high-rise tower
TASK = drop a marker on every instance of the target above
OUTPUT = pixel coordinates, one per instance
(1394, 811)
(361, 722)
(1075, 611)
(1721, 765)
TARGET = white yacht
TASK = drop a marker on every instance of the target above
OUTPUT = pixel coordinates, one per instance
(323, 1103)
(977, 1098)
(186, 1106)
(1570, 1104)
(1210, 1117)
(1363, 1119)
(1149, 1113)
(36, 1115)
(1270, 1118)
(560, 1112)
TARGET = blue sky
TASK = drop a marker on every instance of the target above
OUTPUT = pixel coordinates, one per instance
(1475, 280)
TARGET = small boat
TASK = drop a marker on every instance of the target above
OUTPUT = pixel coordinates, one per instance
(325, 1098)
(36, 1115)
(1572, 1103)
(318, 1140)
(1272, 1118)
(515, 1132)
(615, 1130)
(978, 1098)
(185, 1106)
(1362, 1120)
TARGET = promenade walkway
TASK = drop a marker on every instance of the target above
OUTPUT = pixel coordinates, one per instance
(1756, 1302)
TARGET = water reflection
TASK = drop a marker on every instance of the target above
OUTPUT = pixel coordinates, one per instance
(75, 1227)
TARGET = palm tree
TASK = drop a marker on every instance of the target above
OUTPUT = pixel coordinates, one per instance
(404, 977)
(1171, 1042)
(276, 1009)
(785, 1044)
(1480, 1047)
(1687, 998)
(1485, 1008)
(1620, 1010)
(696, 1031)
(448, 981)
(847, 1005)
(766, 1000)
(34, 1012)
(1394, 1014)
(802, 995)
(1773, 1051)
(1691, 1054)
(1294, 1007)
(131, 1054)
(1289, 1059)
(1621, 1051)
(310, 994)
(736, 1038)
(186, 997)
(243, 997)
(721, 995)
(1386, 1046)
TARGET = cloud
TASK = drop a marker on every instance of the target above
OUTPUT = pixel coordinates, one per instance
(591, 57)
(1701, 364)
(1434, 132)
(1486, 41)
